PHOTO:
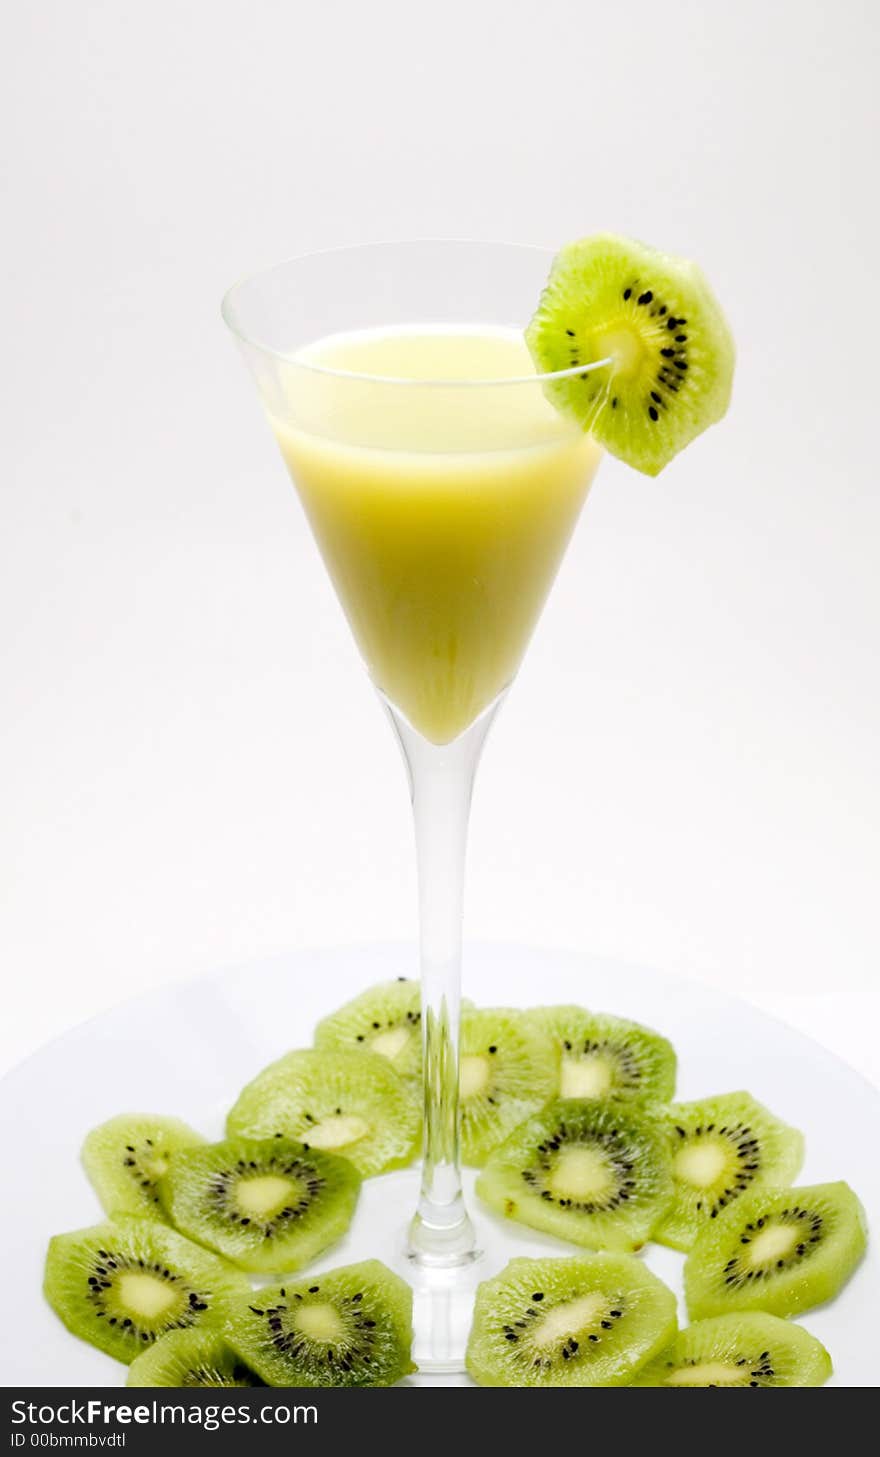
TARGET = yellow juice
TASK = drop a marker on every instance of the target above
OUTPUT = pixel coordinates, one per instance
(442, 509)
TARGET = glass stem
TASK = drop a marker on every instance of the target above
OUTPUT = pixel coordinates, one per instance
(441, 780)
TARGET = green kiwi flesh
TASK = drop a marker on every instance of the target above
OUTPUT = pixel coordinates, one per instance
(346, 1327)
(123, 1284)
(751, 1349)
(508, 1069)
(589, 1320)
(126, 1157)
(723, 1148)
(385, 1019)
(265, 1204)
(348, 1103)
(191, 1358)
(781, 1250)
(656, 318)
(597, 1174)
(607, 1057)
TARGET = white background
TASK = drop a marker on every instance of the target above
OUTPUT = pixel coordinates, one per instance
(193, 769)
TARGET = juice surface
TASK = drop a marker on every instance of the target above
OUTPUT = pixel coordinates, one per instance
(442, 510)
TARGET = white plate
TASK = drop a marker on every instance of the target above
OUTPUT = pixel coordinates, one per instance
(188, 1049)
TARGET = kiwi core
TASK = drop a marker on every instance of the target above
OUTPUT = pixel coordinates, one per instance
(319, 1323)
(581, 1173)
(265, 1195)
(146, 1296)
(568, 1319)
(709, 1373)
(622, 344)
(585, 1077)
(774, 1243)
(390, 1044)
(340, 1130)
(473, 1075)
(701, 1164)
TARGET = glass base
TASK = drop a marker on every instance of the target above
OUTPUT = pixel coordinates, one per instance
(443, 1299)
(443, 1305)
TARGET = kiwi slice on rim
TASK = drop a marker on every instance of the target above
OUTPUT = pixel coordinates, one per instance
(507, 1070)
(347, 1327)
(751, 1349)
(598, 1174)
(781, 1250)
(607, 1057)
(589, 1320)
(123, 1284)
(722, 1148)
(126, 1157)
(266, 1204)
(348, 1103)
(191, 1358)
(386, 1019)
(655, 317)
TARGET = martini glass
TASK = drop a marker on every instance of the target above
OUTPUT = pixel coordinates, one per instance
(442, 489)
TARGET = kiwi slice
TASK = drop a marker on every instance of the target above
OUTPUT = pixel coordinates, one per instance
(191, 1358)
(508, 1069)
(386, 1019)
(598, 1174)
(607, 1057)
(266, 1204)
(722, 1148)
(590, 1320)
(123, 1284)
(348, 1327)
(781, 1250)
(656, 319)
(751, 1349)
(349, 1103)
(126, 1157)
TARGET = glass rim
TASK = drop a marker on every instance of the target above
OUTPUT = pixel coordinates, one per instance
(379, 379)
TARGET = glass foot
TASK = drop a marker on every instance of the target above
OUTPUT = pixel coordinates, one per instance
(443, 1304)
(443, 1299)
